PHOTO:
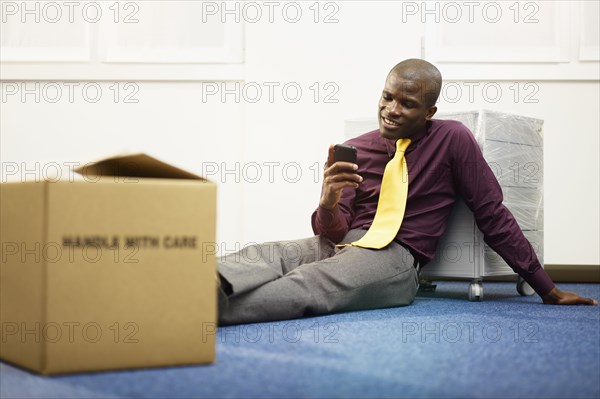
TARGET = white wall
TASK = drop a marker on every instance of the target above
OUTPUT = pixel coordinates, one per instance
(174, 122)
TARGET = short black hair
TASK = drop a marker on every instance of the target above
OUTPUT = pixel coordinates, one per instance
(420, 70)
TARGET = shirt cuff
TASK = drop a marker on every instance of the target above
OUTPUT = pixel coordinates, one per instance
(325, 217)
(541, 282)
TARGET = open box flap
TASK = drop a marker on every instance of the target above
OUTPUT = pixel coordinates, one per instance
(134, 165)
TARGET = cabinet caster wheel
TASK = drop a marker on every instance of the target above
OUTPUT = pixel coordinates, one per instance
(524, 288)
(475, 291)
(426, 286)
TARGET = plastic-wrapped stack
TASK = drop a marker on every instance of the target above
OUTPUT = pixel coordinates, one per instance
(513, 147)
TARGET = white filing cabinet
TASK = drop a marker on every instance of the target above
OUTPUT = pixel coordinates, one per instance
(513, 147)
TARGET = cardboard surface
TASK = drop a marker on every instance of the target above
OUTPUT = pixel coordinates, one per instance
(109, 273)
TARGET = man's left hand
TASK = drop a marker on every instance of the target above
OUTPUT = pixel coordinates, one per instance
(558, 297)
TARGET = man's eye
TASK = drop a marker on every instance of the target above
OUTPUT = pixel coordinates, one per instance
(409, 105)
(387, 97)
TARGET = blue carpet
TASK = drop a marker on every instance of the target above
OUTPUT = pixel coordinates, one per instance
(441, 346)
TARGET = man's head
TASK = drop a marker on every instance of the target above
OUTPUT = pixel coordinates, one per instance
(408, 99)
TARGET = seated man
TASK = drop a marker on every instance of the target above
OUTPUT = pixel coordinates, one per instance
(291, 279)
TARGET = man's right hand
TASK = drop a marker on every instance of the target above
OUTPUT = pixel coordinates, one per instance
(336, 177)
(558, 297)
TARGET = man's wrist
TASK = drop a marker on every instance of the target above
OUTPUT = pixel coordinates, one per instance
(553, 296)
(326, 216)
(327, 206)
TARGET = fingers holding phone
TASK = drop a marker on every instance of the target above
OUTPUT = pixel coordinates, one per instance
(339, 174)
(344, 159)
(344, 153)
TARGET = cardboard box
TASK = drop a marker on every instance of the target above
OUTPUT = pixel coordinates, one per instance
(110, 271)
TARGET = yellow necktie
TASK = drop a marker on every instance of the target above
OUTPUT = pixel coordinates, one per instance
(392, 202)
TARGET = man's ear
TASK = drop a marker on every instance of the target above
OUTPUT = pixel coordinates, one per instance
(430, 113)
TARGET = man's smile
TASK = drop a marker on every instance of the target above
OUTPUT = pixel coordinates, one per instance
(390, 123)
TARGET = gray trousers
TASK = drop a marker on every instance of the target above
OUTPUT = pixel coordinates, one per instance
(291, 279)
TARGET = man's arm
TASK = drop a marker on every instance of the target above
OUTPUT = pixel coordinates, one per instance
(479, 188)
(332, 217)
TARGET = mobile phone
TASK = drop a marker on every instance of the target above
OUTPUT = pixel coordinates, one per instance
(344, 152)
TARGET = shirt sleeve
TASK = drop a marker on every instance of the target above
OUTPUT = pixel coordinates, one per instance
(335, 223)
(476, 184)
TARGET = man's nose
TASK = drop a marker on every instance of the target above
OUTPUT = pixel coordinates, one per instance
(394, 108)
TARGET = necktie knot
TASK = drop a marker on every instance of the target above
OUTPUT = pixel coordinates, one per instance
(402, 145)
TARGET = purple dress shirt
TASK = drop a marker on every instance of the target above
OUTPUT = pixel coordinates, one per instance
(444, 164)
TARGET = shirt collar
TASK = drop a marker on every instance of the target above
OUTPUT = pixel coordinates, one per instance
(390, 145)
